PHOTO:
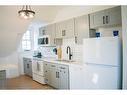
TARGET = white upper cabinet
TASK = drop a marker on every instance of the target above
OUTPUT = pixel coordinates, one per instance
(65, 29)
(113, 16)
(50, 30)
(81, 28)
(42, 31)
(106, 17)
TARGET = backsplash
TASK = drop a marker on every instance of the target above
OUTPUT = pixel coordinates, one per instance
(76, 50)
(47, 51)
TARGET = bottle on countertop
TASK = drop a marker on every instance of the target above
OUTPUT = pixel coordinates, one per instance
(59, 52)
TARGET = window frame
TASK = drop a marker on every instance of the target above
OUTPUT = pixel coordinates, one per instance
(27, 38)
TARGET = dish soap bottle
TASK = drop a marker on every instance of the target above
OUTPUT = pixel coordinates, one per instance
(59, 53)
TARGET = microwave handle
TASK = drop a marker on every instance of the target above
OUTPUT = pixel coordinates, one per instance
(44, 40)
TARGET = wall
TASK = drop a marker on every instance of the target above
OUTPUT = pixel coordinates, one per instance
(75, 49)
(108, 31)
(10, 64)
(124, 35)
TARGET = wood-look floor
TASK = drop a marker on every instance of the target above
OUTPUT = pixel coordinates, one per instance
(25, 82)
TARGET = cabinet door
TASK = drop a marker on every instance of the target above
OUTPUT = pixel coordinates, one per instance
(59, 27)
(25, 66)
(63, 77)
(54, 76)
(113, 16)
(50, 30)
(81, 28)
(97, 19)
(29, 67)
(69, 28)
(42, 31)
(65, 29)
(47, 72)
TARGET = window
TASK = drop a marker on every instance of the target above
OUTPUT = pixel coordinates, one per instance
(26, 41)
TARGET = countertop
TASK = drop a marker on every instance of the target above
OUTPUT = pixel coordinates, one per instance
(54, 60)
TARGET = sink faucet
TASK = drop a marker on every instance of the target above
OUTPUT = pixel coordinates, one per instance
(69, 52)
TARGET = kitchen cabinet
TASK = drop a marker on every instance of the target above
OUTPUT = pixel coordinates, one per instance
(42, 31)
(108, 17)
(65, 29)
(50, 30)
(63, 75)
(81, 28)
(2, 79)
(27, 66)
(47, 72)
(56, 75)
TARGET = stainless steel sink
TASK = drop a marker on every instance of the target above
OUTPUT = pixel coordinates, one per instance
(62, 60)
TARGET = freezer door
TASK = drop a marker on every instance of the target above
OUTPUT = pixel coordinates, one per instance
(101, 77)
(103, 51)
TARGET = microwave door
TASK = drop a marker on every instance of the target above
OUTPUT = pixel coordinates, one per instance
(46, 40)
(39, 41)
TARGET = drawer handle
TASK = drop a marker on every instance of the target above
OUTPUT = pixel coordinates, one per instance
(53, 66)
(62, 68)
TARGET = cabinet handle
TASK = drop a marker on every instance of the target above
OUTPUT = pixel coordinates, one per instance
(75, 39)
(103, 19)
(43, 32)
(53, 66)
(62, 68)
(63, 32)
(58, 75)
(27, 65)
(106, 19)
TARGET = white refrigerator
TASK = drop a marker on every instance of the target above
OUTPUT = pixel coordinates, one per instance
(102, 60)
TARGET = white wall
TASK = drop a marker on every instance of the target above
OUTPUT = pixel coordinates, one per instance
(108, 31)
(10, 64)
(124, 34)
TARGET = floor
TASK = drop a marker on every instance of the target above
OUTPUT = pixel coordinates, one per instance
(25, 82)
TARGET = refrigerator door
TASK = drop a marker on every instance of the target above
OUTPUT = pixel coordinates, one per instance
(101, 77)
(103, 51)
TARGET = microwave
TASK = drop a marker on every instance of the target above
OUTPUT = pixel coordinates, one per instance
(44, 40)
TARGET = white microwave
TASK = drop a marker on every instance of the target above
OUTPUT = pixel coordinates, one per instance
(44, 40)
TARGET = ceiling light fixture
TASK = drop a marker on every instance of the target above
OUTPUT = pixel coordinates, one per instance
(26, 12)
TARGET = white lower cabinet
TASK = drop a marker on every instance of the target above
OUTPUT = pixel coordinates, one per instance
(56, 75)
(62, 76)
